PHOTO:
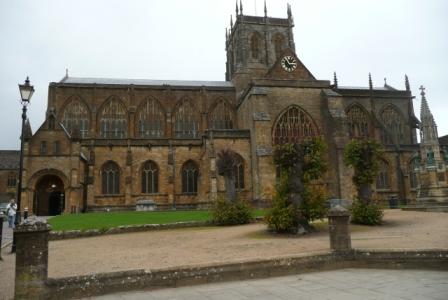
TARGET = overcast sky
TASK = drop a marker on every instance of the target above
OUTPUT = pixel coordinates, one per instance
(179, 39)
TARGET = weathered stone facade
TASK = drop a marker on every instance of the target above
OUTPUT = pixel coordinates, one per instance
(107, 143)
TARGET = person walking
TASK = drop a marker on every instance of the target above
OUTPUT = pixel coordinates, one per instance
(11, 210)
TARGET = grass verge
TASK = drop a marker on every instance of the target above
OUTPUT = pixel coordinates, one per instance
(106, 220)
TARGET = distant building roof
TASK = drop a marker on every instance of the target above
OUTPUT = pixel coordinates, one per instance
(145, 82)
(9, 159)
(443, 140)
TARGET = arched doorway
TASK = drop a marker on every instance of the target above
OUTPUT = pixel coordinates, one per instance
(49, 197)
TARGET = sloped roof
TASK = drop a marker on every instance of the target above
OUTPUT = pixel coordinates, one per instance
(443, 140)
(9, 159)
(145, 82)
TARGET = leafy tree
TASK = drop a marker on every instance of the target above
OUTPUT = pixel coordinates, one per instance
(363, 155)
(225, 165)
(297, 202)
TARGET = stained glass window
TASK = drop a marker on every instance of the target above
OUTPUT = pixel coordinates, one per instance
(150, 178)
(222, 116)
(110, 178)
(358, 122)
(76, 115)
(190, 174)
(186, 123)
(113, 120)
(151, 120)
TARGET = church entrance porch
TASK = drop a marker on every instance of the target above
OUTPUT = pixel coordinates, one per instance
(49, 196)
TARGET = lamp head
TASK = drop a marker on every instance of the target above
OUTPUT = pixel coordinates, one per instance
(26, 91)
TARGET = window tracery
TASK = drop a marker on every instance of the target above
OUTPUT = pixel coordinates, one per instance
(394, 124)
(382, 181)
(190, 174)
(151, 120)
(238, 169)
(150, 178)
(110, 178)
(113, 120)
(293, 126)
(76, 116)
(358, 122)
(186, 124)
(222, 116)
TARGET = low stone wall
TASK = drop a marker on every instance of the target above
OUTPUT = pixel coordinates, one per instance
(105, 283)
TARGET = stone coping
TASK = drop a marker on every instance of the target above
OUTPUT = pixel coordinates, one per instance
(105, 283)
(73, 234)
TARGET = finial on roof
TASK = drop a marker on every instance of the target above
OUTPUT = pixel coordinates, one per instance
(370, 82)
(236, 9)
(66, 72)
(335, 80)
(231, 21)
(265, 10)
(406, 83)
(241, 7)
(385, 81)
(422, 89)
(289, 10)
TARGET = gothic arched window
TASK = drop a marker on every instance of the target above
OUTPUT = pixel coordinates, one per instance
(279, 44)
(12, 179)
(238, 169)
(76, 116)
(190, 174)
(113, 120)
(110, 178)
(221, 116)
(358, 122)
(151, 120)
(51, 122)
(394, 124)
(382, 181)
(150, 178)
(255, 45)
(186, 123)
(293, 126)
(413, 169)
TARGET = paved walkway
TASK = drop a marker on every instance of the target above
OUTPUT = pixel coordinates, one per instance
(7, 234)
(347, 284)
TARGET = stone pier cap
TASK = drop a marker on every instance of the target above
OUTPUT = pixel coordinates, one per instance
(33, 224)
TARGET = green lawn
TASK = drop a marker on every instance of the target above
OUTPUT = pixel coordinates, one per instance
(105, 220)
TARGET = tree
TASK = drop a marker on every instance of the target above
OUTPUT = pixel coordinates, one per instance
(363, 155)
(299, 165)
(225, 164)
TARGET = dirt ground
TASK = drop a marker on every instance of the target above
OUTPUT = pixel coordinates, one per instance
(197, 246)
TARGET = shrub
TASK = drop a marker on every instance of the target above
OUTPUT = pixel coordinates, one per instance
(282, 217)
(314, 204)
(366, 214)
(231, 212)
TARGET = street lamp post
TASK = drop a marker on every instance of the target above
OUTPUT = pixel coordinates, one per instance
(26, 92)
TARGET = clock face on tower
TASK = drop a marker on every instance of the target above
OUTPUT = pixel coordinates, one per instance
(289, 63)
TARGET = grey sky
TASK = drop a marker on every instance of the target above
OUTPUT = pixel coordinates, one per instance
(178, 39)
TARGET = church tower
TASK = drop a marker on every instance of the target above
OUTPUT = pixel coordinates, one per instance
(432, 173)
(254, 44)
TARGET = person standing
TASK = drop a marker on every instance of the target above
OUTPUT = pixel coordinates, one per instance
(11, 210)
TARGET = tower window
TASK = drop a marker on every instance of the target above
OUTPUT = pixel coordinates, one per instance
(255, 45)
(56, 147)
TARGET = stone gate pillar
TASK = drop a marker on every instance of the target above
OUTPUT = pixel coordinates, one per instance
(338, 225)
(31, 259)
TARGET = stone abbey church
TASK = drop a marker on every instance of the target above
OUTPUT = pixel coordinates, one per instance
(107, 143)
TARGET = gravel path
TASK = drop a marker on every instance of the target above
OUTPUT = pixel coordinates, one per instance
(197, 246)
